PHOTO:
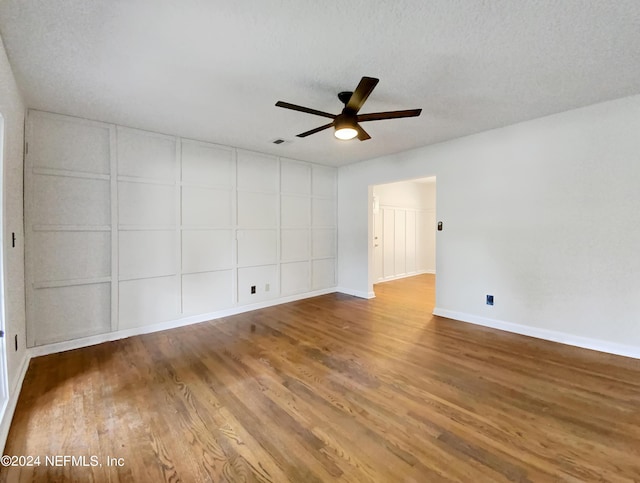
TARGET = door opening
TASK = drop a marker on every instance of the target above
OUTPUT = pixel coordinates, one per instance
(403, 229)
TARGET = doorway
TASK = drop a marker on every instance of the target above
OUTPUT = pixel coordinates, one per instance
(403, 229)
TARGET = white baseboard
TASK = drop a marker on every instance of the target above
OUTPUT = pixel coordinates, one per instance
(546, 334)
(405, 275)
(171, 324)
(356, 293)
(12, 400)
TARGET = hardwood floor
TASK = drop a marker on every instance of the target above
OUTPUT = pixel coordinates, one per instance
(332, 388)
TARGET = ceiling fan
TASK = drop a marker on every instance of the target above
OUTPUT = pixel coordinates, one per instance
(346, 123)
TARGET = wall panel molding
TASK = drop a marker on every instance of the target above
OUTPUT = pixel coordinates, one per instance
(189, 227)
(403, 241)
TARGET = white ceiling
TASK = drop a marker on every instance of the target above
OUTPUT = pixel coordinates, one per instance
(213, 70)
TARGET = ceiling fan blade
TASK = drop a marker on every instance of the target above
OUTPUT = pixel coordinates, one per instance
(378, 116)
(365, 87)
(313, 131)
(308, 110)
(362, 134)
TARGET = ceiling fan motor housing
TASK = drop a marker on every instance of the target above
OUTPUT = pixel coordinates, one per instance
(344, 96)
(346, 119)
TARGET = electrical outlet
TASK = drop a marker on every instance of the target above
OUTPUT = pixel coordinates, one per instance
(489, 299)
(253, 289)
(266, 287)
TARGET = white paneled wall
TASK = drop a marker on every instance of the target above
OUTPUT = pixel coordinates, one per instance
(208, 176)
(148, 228)
(127, 228)
(295, 233)
(323, 232)
(405, 242)
(307, 236)
(69, 231)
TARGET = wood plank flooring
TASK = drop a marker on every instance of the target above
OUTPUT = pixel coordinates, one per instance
(332, 388)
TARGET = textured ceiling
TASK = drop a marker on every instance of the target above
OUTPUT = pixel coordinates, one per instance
(213, 70)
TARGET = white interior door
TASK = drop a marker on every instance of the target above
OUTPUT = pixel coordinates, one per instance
(388, 238)
(377, 246)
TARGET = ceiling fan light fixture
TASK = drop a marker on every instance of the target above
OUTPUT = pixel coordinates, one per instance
(345, 127)
(345, 133)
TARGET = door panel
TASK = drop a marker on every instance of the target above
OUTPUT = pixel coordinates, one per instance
(388, 237)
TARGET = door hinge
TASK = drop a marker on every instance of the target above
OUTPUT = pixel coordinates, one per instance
(1, 333)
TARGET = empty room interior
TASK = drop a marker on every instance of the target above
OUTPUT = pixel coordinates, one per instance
(204, 279)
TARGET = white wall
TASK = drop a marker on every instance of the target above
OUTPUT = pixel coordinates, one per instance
(128, 229)
(543, 215)
(12, 109)
(404, 225)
